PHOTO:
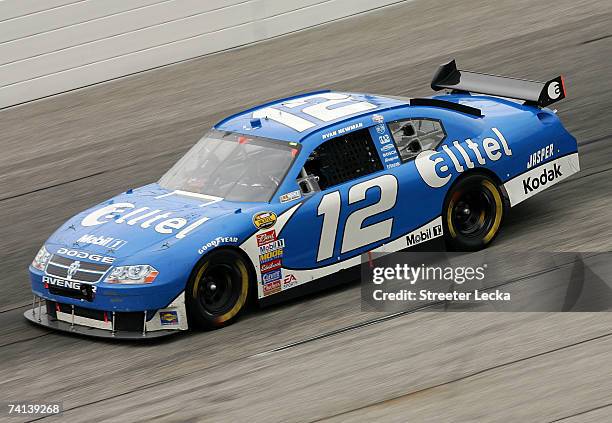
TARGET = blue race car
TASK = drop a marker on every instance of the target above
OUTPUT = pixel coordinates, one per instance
(285, 197)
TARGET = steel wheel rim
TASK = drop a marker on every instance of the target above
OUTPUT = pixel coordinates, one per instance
(473, 213)
(217, 291)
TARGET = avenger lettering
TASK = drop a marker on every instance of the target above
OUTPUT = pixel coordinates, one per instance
(63, 283)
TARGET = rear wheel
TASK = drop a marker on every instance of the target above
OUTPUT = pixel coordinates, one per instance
(218, 290)
(473, 213)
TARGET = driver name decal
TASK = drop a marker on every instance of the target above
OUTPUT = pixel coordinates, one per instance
(342, 131)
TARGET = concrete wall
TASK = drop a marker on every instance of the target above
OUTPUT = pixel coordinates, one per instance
(51, 46)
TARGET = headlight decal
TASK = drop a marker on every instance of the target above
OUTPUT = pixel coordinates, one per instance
(41, 259)
(134, 274)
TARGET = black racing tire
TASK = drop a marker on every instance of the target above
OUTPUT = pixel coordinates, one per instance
(218, 290)
(473, 213)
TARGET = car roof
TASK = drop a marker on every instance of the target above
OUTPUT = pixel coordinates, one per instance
(245, 123)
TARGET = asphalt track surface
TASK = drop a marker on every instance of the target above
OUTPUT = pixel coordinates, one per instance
(318, 358)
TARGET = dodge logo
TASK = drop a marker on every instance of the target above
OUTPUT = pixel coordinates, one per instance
(73, 268)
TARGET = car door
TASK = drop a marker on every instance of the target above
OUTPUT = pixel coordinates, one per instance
(368, 193)
(348, 208)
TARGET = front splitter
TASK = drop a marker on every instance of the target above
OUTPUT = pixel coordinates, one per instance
(40, 317)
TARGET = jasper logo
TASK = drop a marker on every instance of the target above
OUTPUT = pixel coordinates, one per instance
(437, 167)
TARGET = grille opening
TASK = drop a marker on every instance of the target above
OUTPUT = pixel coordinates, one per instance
(82, 271)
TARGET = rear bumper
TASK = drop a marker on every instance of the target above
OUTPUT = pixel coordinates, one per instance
(108, 324)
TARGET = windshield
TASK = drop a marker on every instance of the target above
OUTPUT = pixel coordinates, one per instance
(232, 166)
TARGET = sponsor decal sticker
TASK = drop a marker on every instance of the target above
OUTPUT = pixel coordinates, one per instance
(218, 241)
(271, 255)
(384, 139)
(266, 237)
(541, 177)
(291, 196)
(271, 276)
(554, 90)
(378, 118)
(83, 255)
(541, 155)
(388, 151)
(168, 318)
(422, 235)
(548, 176)
(380, 129)
(290, 281)
(274, 245)
(103, 241)
(437, 167)
(161, 222)
(272, 265)
(272, 288)
(264, 220)
(271, 252)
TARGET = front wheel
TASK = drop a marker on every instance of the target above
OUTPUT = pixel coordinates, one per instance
(473, 212)
(218, 290)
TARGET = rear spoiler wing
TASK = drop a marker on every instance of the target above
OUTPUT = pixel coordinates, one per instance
(533, 92)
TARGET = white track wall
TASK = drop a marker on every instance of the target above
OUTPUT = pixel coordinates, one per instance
(51, 46)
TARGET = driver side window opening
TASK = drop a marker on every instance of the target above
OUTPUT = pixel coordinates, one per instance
(412, 136)
(339, 160)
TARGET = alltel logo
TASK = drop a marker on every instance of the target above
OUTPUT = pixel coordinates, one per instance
(554, 90)
(437, 167)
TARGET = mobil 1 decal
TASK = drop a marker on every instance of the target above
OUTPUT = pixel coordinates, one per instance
(438, 167)
(385, 145)
(270, 261)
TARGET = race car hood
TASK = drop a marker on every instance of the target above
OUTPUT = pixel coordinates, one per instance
(153, 219)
